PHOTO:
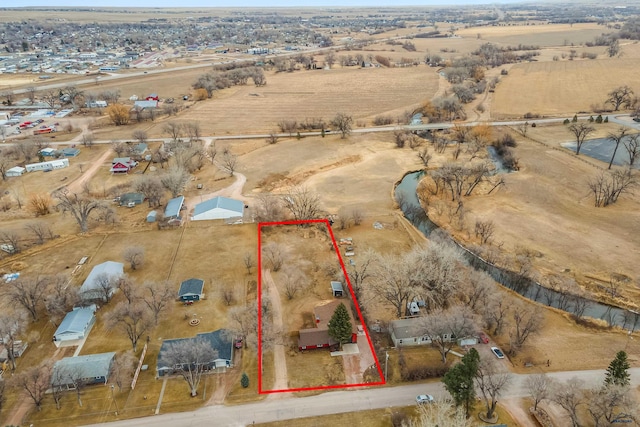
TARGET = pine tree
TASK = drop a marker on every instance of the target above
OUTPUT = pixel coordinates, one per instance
(459, 380)
(340, 327)
(617, 372)
(244, 381)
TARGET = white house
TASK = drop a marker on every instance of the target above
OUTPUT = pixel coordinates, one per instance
(218, 208)
(50, 165)
(75, 325)
(15, 171)
(407, 332)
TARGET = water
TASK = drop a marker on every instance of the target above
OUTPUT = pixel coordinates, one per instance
(408, 199)
(602, 149)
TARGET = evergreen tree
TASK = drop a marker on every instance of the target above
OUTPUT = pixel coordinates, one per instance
(340, 327)
(617, 372)
(244, 381)
(575, 118)
(459, 380)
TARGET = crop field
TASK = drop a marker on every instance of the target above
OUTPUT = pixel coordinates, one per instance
(542, 35)
(561, 87)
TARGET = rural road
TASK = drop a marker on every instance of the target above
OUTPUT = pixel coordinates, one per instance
(281, 380)
(335, 402)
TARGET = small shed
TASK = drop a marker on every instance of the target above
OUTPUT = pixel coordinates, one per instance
(15, 171)
(48, 152)
(70, 152)
(174, 206)
(218, 208)
(336, 289)
(151, 216)
(131, 199)
(191, 290)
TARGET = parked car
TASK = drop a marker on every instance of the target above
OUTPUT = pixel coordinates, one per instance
(424, 398)
(483, 338)
(238, 343)
(499, 354)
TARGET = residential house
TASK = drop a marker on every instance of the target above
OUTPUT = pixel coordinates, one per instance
(70, 151)
(221, 341)
(140, 149)
(174, 206)
(218, 208)
(122, 165)
(131, 199)
(48, 166)
(76, 325)
(88, 369)
(48, 152)
(91, 288)
(96, 104)
(318, 337)
(408, 332)
(191, 290)
(15, 171)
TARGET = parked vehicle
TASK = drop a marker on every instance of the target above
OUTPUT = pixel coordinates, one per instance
(499, 354)
(483, 338)
(424, 398)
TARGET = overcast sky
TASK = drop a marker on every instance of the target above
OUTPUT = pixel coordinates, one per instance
(240, 3)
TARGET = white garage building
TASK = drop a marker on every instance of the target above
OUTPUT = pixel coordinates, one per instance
(218, 208)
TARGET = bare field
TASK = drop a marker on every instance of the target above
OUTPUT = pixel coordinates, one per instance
(542, 35)
(561, 87)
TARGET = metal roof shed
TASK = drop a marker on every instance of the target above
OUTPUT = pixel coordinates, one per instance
(218, 208)
(173, 207)
(336, 289)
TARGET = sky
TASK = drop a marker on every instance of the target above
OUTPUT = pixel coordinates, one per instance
(243, 3)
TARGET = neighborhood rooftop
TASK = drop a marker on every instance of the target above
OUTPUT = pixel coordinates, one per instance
(87, 366)
(173, 207)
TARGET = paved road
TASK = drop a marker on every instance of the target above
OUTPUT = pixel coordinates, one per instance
(334, 402)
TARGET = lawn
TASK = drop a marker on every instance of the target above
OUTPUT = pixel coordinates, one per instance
(369, 418)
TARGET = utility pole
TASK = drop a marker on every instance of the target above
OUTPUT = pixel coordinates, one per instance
(386, 363)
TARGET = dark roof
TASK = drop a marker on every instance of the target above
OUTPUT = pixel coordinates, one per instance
(407, 328)
(320, 334)
(313, 337)
(191, 287)
(220, 340)
(131, 197)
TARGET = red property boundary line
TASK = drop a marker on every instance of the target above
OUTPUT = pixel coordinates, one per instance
(353, 298)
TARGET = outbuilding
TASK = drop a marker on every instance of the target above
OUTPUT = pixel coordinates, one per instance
(48, 152)
(75, 325)
(218, 208)
(151, 216)
(336, 289)
(91, 288)
(174, 206)
(191, 290)
(131, 199)
(70, 152)
(15, 171)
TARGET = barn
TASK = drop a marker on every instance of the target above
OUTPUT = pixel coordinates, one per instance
(218, 208)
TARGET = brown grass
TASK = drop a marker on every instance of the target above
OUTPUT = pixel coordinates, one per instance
(369, 418)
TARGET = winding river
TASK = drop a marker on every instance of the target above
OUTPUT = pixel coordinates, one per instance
(406, 192)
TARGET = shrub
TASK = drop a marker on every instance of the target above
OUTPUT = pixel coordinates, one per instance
(423, 372)
(599, 118)
(244, 381)
(606, 119)
(383, 120)
(566, 121)
(575, 118)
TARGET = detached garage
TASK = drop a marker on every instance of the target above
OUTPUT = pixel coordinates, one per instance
(218, 208)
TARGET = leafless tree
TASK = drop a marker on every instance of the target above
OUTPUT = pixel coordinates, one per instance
(123, 368)
(392, 283)
(492, 383)
(13, 324)
(441, 413)
(444, 326)
(51, 98)
(484, 230)
(192, 358)
(616, 138)
(360, 272)
(132, 319)
(28, 149)
(11, 239)
(60, 298)
(151, 187)
(288, 126)
(80, 206)
(227, 293)
(212, 152)
(31, 94)
(105, 286)
(632, 146)
(268, 208)
(229, 161)
(274, 255)
(496, 311)
(129, 289)
(539, 388)
(248, 262)
(569, 396)
(88, 139)
(134, 255)
(343, 123)
(302, 203)
(5, 165)
(35, 381)
(476, 289)
(294, 280)
(157, 297)
(435, 271)
(120, 148)
(173, 129)
(357, 215)
(527, 320)
(193, 131)
(425, 157)
(73, 94)
(608, 187)
(28, 292)
(581, 131)
(272, 138)
(611, 404)
(3, 395)
(140, 136)
(175, 180)
(244, 321)
(620, 96)
(41, 230)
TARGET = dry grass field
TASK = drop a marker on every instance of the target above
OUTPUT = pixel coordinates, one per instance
(543, 35)
(561, 87)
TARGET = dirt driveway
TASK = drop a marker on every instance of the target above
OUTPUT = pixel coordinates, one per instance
(281, 380)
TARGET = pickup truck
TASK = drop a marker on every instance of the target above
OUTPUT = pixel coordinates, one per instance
(24, 125)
